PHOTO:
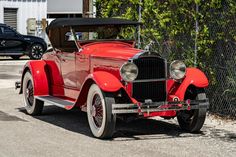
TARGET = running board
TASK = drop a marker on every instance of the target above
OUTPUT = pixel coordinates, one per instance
(66, 104)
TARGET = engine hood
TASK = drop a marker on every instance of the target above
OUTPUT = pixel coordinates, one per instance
(113, 50)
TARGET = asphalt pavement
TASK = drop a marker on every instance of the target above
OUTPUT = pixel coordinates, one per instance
(60, 133)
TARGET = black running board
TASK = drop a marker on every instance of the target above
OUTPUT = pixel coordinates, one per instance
(66, 104)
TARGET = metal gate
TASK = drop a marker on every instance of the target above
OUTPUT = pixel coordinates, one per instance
(10, 17)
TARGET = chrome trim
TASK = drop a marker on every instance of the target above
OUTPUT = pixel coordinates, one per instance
(146, 53)
(160, 106)
(171, 66)
(123, 66)
(55, 101)
(150, 80)
(136, 56)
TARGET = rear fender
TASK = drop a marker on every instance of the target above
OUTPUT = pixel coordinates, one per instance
(38, 72)
(193, 77)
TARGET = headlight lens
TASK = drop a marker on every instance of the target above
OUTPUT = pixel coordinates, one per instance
(129, 72)
(177, 70)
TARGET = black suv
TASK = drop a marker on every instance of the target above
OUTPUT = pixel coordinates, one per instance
(16, 45)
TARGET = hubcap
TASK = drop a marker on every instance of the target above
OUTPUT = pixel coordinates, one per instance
(97, 110)
(37, 51)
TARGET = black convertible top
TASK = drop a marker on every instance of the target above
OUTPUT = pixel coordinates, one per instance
(59, 28)
(67, 22)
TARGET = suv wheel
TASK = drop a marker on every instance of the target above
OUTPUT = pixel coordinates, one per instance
(99, 111)
(36, 51)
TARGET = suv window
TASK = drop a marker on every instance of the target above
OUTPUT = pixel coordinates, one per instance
(7, 31)
(1, 30)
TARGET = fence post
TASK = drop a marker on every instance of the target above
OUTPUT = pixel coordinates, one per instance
(196, 36)
(139, 20)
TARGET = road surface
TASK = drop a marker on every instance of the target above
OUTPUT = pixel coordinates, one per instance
(60, 133)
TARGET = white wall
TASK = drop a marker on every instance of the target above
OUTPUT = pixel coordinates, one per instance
(26, 9)
(65, 6)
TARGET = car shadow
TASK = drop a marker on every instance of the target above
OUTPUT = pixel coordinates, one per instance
(141, 129)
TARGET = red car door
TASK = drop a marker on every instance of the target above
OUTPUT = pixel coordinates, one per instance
(68, 69)
(82, 68)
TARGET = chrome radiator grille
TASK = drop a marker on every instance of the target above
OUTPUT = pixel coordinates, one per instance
(150, 68)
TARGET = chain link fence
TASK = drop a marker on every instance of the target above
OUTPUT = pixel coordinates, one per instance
(222, 90)
(222, 64)
(216, 57)
(203, 33)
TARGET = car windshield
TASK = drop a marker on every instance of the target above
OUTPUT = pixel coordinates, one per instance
(69, 39)
(108, 32)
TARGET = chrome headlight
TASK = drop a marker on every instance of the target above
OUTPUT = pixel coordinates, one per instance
(177, 70)
(129, 72)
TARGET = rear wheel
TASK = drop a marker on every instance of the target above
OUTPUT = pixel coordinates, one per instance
(36, 51)
(33, 106)
(193, 120)
(99, 111)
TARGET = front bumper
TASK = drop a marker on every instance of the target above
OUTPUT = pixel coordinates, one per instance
(149, 107)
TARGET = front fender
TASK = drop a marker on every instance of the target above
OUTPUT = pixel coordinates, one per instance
(193, 77)
(37, 70)
(106, 81)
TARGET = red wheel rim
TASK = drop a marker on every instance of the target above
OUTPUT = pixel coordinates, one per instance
(97, 112)
(30, 93)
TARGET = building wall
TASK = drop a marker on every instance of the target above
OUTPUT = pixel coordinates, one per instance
(26, 9)
(74, 8)
(65, 6)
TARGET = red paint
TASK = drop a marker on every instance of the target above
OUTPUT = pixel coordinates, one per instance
(113, 50)
(70, 74)
(161, 114)
(37, 69)
(194, 77)
(106, 81)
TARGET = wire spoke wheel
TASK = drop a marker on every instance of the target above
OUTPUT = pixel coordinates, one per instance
(33, 106)
(99, 112)
(30, 93)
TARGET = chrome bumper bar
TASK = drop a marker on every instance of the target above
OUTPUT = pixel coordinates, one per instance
(159, 106)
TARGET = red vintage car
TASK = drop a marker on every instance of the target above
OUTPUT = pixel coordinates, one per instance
(94, 67)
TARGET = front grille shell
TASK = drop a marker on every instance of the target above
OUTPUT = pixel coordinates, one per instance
(151, 80)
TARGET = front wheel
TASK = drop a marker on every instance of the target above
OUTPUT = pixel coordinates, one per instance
(193, 120)
(33, 106)
(36, 51)
(99, 111)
